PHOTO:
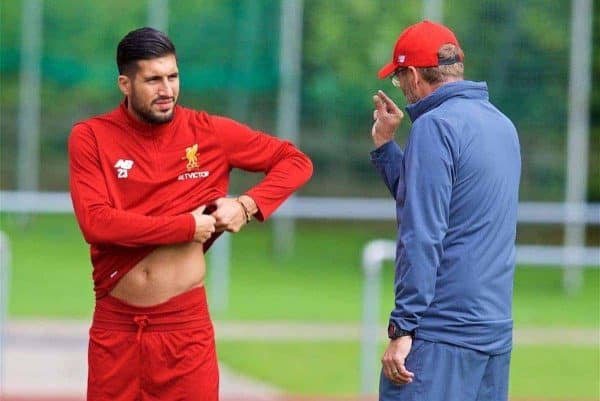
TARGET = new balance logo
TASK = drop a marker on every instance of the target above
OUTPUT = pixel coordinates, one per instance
(123, 166)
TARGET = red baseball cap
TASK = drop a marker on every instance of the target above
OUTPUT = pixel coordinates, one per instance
(418, 46)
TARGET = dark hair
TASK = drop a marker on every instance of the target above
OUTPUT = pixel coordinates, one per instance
(142, 44)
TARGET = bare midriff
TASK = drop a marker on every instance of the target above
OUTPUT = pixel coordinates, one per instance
(167, 271)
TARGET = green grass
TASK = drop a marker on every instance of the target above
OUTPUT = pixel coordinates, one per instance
(548, 372)
(50, 268)
(556, 372)
(327, 368)
(321, 280)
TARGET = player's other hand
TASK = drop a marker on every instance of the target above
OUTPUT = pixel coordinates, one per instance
(229, 215)
(393, 360)
(205, 224)
(387, 118)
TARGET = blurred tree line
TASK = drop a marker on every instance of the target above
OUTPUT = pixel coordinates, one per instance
(228, 56)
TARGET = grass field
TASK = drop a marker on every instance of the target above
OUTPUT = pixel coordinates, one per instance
(320, 281)
(542, 372)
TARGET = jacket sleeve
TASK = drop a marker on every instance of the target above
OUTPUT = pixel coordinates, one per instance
(286, 168)
(98, 220)
(387, 159)
(429, 175)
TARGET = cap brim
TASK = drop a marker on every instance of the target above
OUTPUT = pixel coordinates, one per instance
(386, 71)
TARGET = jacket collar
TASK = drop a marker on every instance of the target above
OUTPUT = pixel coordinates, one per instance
(464, 89)
(145, 128)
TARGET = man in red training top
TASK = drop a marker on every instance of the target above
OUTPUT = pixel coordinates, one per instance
(149, 187)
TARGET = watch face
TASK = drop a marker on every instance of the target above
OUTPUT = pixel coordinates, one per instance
(391, 331)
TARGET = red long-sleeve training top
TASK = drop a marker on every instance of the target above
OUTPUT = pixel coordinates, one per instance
(134, 184)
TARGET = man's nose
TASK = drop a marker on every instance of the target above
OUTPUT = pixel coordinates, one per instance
(165, 89)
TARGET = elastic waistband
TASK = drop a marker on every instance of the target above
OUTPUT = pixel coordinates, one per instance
(184, 311)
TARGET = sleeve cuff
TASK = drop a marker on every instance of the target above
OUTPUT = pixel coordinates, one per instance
(262, 213)
(404, 324)
(381, 154)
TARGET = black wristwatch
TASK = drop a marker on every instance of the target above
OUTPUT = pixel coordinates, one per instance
(395, 332)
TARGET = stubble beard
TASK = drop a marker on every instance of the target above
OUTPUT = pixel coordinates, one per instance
(147, 114)
(410, 95)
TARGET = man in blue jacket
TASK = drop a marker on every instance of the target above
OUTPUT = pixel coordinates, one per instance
(456, 188)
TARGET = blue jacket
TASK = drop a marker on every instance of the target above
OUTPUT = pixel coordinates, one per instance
(456, 189)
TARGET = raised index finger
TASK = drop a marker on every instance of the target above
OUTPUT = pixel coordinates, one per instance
(389, 102)
(379, 104)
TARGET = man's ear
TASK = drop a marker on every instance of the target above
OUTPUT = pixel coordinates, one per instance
(124, 83)
(415, 77)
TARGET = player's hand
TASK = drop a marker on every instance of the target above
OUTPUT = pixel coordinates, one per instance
(229, 215)
(387, 117)
(393, 360)
(205, 224)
